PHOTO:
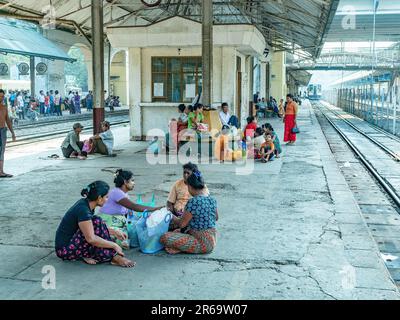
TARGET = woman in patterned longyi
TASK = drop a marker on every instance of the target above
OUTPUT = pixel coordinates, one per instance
(200, 216)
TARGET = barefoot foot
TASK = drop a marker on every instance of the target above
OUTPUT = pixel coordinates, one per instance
(172, 251)
(122, 262)
(89, 261)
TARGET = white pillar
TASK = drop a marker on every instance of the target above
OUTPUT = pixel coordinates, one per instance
(89, 65)
(107, 67)
(135, 93)
(57, 76)
(263, 84)
(278, 75)
(228, 85)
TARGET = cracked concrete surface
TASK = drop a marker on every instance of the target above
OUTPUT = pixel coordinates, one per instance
(291, 230)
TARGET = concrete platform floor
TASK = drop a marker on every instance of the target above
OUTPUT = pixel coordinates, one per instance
(290, 230)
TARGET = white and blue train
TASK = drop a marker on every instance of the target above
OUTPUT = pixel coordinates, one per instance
(314, 92)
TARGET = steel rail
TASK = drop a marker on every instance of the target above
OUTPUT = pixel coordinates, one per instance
(388, 188)
(395, 156)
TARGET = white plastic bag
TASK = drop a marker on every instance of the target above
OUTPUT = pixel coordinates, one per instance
(156, 218)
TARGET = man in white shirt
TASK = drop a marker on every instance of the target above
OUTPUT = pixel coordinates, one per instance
(20, 106)
(103, 143)
(71, 102)
(224, 115)
(41, 99)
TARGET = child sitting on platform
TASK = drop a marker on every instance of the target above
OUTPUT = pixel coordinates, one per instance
(270, 130)
(258, 141)
(267, 149)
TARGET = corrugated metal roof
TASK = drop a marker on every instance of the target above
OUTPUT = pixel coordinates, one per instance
(286, 25)
(361, 12)
(25, 40)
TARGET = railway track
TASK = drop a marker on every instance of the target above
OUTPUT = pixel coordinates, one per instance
(382, 178)
(367, 134)
(69, 118)
(373, 174)
(30, 139)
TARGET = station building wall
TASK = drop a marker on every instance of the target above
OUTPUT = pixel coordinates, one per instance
(180, 37)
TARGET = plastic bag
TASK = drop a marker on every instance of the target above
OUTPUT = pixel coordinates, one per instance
(154, 146)
(155, 219)
(202, 127)
(149, 238)
(133, 218)
(88, 146)
(151, 203)
(131, 221)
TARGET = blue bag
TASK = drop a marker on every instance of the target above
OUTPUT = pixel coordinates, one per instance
(296, 130)
(134, 217)
(140, 201)
(149, 238)
(154, 147)
(131, 221)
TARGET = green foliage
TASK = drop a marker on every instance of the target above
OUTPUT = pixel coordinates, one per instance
(77, 69)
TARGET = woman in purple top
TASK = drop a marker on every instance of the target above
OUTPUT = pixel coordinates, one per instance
(118, 205)
(77, 102)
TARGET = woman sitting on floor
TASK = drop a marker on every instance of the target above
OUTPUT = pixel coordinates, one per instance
(179, 195)
(200, 216)
(84, 236)
(118, 205)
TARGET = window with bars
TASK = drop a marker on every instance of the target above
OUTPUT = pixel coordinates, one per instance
(176, 79)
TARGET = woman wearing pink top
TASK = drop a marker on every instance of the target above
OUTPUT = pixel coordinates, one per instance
(115, 210)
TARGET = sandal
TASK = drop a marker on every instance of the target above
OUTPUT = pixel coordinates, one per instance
(5, 176)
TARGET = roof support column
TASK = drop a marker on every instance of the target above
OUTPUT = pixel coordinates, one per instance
(33, 76)
(207, 51)
(98, 64)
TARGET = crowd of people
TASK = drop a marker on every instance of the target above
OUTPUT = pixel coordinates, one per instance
(22, 105)
(102, 236)
(98, 237)
(257, 142)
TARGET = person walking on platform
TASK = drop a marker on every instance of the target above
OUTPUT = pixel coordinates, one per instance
(4, 121)
(290, 120)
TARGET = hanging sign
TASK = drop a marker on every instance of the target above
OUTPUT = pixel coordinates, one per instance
(41, 68)
(23, 69)
(3, 69)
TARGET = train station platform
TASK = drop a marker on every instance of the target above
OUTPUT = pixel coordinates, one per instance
(291, 229)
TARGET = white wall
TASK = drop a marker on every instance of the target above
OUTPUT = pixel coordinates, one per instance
(165, 39)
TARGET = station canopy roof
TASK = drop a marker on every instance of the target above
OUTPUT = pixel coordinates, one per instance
(287, 25)
(361, 27)
(23, 39)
